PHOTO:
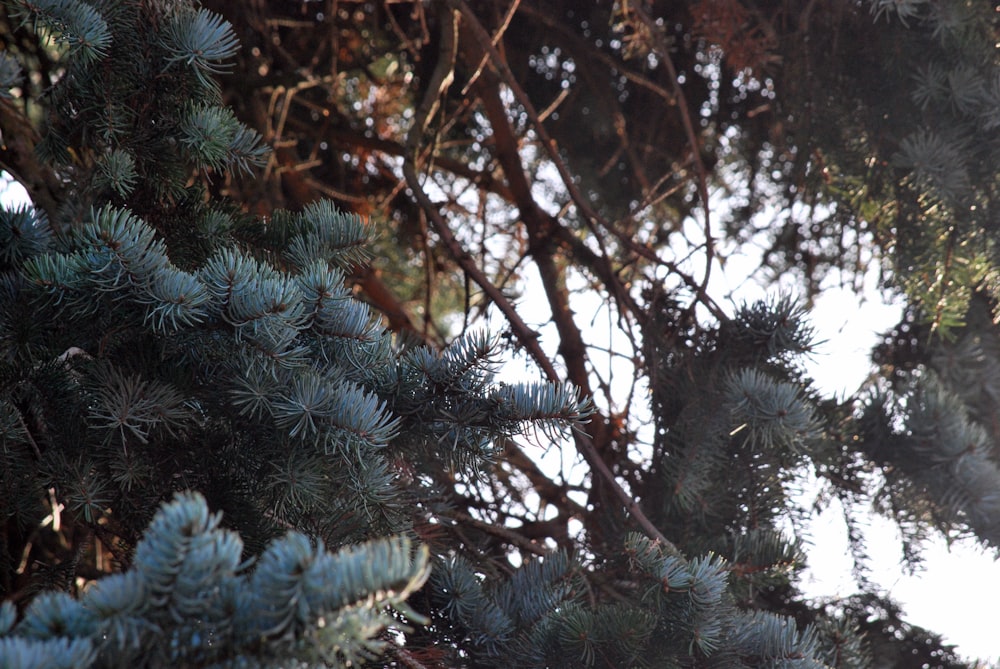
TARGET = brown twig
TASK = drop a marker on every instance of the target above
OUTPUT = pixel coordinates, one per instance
(440, 80)
(532, 216)
(664, 53)
(524, 334)
(499, 65)
(407, 659)
(507, 534)
(514, 6)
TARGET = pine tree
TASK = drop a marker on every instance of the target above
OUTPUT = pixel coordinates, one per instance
(215, 454)
(156, 340)
(190, 599)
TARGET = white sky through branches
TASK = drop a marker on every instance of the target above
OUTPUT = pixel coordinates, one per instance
(948, 594)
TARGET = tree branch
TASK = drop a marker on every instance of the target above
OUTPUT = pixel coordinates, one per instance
(17, 157)
(664, 53)
(540, 227)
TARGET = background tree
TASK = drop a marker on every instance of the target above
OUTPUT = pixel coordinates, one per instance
(162, 314)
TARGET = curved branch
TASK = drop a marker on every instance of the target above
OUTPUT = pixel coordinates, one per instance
(664, 53)
(540, 226)
(590, 217)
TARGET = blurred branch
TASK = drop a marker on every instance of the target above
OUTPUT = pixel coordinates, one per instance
(506, 534)
(660, 47)
(17, 157)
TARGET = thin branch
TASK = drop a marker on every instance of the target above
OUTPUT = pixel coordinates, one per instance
(27, 433)
(441, 78)
(408, 659)
(507, 534)
(428, 272)
(440, 81)
(541, 229)
(524, 334)
(494, 41)
(664, 53)
(499, 65)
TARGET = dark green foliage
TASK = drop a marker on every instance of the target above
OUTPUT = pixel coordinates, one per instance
(733, 422)
(939, 152)
(24, 232)
(933, 431)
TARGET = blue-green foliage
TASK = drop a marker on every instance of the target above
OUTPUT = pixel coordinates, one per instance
(155, 339)
(773, 413)
(284, 361)
(78, 24)
(508, 618)
(201, 40)
(779, 326)
(109, 142)
(696, 609)
(190, 599)
(119, 255)
(932, 431)
(212, 136)
(312, 240)
(453, 397)
(117, 172)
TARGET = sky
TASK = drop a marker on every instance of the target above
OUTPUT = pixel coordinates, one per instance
(947, 596)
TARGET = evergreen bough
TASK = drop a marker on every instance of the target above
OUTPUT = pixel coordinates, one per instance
(154, 340)
(190, 599)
